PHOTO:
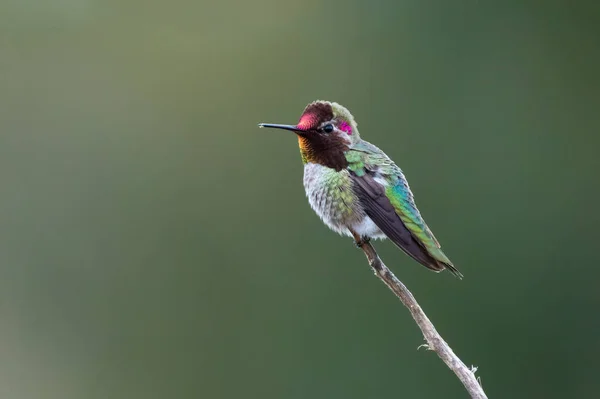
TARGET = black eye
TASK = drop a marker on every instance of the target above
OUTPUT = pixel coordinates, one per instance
(328, 128)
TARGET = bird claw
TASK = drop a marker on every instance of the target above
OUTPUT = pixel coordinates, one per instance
(361, 242)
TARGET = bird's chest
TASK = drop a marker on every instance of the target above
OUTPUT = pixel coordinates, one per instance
(330, 194)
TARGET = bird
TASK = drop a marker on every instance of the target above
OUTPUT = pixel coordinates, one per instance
(356, 189)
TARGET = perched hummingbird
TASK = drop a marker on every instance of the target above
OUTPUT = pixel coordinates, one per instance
(356, 189)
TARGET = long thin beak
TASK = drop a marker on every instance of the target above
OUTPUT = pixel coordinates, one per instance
(276, 126)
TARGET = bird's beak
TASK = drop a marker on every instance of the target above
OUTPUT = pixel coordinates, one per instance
(285, 127)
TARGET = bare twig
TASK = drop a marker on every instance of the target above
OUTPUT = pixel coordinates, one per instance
(434, 340)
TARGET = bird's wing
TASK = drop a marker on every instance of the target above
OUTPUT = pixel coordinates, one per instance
(387, 199)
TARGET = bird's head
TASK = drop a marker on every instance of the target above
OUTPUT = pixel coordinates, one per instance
(324, 119)
(325, 131)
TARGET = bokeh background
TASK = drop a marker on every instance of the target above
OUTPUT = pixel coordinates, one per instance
(155, 244)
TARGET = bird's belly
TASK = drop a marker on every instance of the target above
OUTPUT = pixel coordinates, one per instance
(331, 196)
(367, 228)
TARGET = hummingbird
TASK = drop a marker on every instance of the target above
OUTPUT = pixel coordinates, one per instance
(356, 189)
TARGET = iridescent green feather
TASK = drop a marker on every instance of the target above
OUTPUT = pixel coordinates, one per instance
(363, 157)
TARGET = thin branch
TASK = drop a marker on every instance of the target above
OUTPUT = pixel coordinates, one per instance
(434, 340)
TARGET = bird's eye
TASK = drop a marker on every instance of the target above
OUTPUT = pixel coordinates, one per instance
(328, 128)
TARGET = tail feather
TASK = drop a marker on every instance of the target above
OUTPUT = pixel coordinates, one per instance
(453, 270)
(421, 255)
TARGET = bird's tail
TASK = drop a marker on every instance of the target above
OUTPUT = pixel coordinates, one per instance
(453, 270)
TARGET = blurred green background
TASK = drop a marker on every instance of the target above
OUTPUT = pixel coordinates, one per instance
(155, 244)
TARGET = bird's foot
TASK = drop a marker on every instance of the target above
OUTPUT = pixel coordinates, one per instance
(362, 241)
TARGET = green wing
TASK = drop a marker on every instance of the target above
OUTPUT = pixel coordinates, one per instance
(386, 196)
